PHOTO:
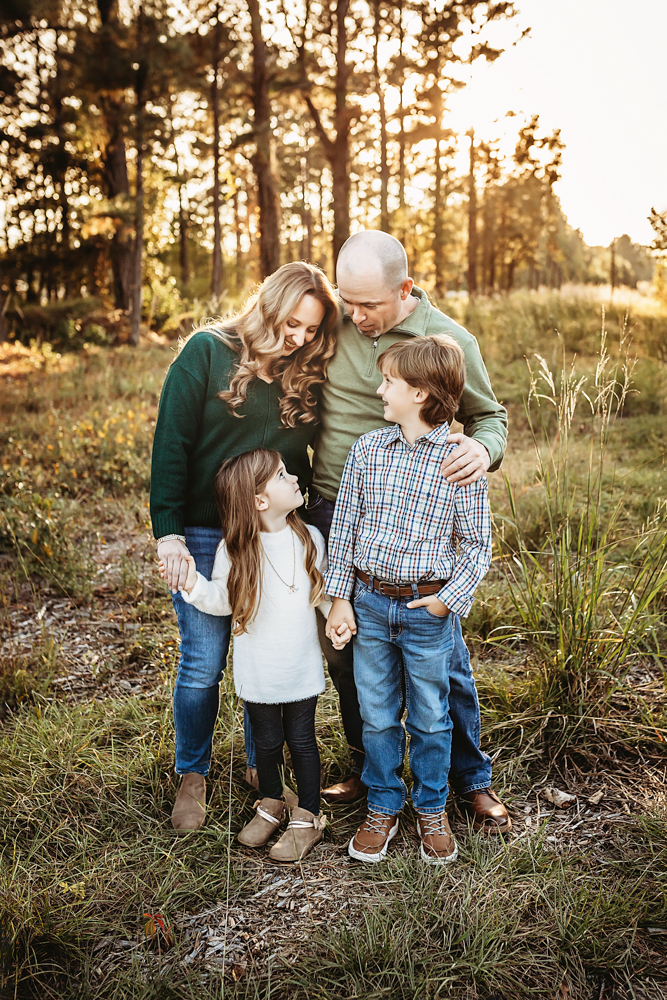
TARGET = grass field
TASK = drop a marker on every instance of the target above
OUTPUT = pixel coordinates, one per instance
(569, 643)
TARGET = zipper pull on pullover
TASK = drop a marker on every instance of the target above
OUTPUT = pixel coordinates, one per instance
(374, 351)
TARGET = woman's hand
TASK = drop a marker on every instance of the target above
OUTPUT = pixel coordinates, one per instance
(174, 564)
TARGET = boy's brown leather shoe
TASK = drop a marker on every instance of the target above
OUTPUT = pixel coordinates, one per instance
(371, 840)
(350, 790)
(486, 811)
(438, 846)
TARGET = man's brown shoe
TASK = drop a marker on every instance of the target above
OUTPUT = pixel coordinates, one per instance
(189, 810)
(438, 846)
(371, 840)
(486, 811)
(290, 797)
(350, 790)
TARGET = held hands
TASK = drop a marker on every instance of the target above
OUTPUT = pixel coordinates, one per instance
(467, 463)
(432, 604)
(341, 625)
(174, 565)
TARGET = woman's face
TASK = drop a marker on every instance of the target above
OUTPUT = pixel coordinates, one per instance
(302, 326)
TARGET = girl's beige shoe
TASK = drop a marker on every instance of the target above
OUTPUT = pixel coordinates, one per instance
(270, 814)
(304, 830)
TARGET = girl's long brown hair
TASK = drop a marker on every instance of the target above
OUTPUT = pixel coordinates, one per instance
(236, 485)
(256, 334)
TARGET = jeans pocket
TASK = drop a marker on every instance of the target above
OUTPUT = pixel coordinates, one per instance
(315, 503)
(438, 618)
(360, 589)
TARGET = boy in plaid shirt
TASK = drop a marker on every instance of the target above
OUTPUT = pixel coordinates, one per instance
(406, 552)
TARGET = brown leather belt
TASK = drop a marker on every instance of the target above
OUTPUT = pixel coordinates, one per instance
(401, 589)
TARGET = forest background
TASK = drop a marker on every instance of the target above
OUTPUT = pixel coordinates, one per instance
(156, 160)
(157, 156)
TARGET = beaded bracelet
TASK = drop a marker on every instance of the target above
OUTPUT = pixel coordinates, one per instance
(170, 538)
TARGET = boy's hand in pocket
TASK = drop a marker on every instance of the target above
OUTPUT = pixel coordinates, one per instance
(432, 604)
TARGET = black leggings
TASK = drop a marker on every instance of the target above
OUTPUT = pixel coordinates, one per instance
(293, 723)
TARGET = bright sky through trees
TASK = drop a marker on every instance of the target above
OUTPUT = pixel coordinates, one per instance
(596, 70)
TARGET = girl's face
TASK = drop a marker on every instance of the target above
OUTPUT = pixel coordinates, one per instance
(281, 494)
(302, 326)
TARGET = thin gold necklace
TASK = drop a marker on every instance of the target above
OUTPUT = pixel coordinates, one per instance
(290, 586)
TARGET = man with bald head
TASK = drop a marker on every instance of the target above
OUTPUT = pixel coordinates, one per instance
(381, 305)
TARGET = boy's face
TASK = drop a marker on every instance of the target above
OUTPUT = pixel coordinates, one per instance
(281, 494)
(402, 402)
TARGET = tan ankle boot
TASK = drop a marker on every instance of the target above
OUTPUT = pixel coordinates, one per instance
(303, 832)
(270, 814)
(189, 810)
(291, 798)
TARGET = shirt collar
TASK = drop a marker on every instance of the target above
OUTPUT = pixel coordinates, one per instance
(438, 436)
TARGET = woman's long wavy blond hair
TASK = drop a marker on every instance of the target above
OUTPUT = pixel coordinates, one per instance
(236, 485)
(257, 335)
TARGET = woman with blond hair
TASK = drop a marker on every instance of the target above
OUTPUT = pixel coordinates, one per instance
(248, 382)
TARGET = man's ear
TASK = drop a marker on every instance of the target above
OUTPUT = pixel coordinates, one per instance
(406, 288)
(261, 503)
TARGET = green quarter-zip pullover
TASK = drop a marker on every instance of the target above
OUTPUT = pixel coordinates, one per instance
(350, 406)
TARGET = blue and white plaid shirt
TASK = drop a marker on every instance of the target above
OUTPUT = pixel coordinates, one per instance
(399, 520)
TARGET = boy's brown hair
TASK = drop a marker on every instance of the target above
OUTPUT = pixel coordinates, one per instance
(434, 364)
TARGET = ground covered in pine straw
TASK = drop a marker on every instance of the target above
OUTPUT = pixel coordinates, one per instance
(100, 899)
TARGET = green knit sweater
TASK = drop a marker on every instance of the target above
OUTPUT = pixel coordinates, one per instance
(196, 432)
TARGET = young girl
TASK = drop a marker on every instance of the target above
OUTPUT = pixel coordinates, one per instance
(268, 575)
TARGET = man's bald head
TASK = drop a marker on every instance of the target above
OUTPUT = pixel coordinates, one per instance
(377, 254)
(373, 282)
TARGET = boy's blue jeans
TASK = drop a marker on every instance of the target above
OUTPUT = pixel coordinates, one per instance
(402, 658)
(204, 649)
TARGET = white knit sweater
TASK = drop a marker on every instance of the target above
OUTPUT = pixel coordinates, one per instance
(278, 659)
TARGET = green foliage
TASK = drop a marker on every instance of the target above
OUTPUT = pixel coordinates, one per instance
(39, 532)
(587, 595)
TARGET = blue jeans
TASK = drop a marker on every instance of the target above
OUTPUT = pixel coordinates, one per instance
(403, 658)
(204, 649)
(470, 767)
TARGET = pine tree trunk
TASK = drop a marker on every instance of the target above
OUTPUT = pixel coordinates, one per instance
(237, 234)
(438, 226)
(384, 162)
(267, 190)
(183, 238)
(472, 221)
(216, 264)
(137, 269)
(307, 218)
(118, 185)
(337, 150)
(3, 321)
